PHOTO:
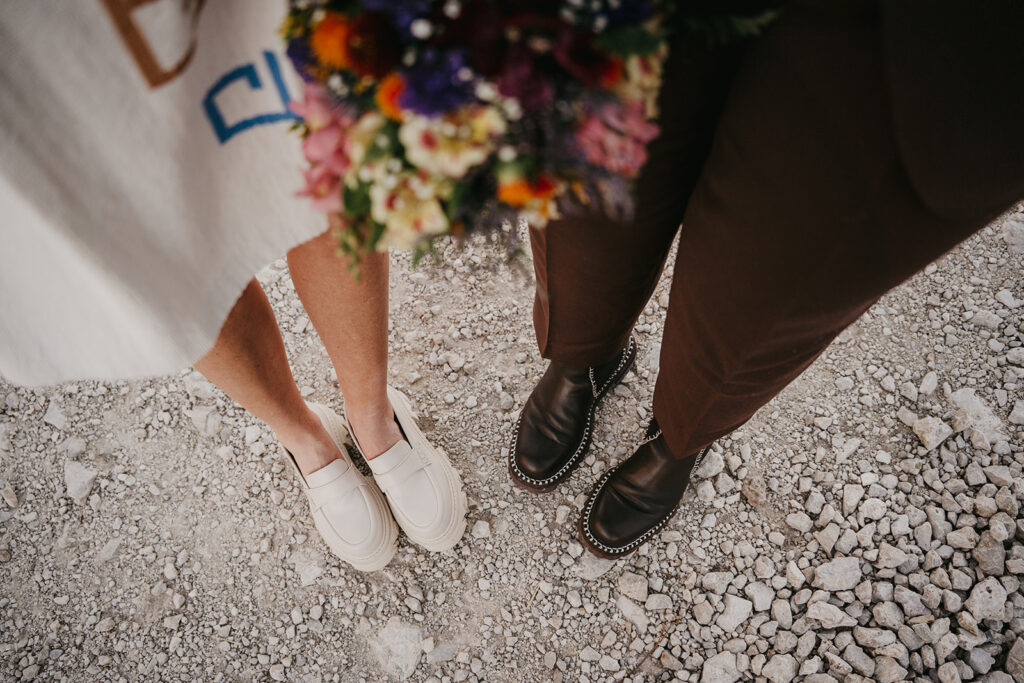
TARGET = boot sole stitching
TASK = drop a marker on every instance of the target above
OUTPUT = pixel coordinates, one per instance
(620, 550)
(584, 445)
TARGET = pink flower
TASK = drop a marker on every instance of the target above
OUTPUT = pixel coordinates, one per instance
(630, 117)
(322, 143)
(323, 187)
(615, 137)
(326, 147)
(315, 109)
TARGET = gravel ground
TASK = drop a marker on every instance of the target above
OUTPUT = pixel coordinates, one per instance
(865, 525)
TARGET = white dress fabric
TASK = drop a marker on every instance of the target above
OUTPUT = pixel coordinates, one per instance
(146, 174)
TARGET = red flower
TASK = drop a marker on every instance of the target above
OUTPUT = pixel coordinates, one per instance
(613, 72)
(374, 48)
(576, 52)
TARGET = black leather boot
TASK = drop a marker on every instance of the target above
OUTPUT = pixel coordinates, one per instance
(555, 427)
(635, 499)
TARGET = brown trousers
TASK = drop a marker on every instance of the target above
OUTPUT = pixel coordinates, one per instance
(797, 214)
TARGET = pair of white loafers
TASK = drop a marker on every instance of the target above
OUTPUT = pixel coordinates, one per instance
(413, 484)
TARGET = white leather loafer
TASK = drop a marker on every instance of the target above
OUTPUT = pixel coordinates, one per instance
(348, 509)
(421, 486)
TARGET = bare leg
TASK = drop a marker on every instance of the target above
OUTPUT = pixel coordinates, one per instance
(249, 364)
(351, 316)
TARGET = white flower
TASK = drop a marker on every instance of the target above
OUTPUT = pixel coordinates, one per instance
(451, 145)
(408, 205)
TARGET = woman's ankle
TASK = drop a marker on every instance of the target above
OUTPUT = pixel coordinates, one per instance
(310, 445)
(375, 429)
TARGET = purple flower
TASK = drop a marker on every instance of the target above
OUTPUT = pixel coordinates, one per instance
(630, 13)
(401, 12)
(522, 79)
(302, 57)
(437, 83)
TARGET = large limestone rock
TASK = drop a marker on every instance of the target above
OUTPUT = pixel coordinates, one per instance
(840, 574)
(398, 647)
(720, 669)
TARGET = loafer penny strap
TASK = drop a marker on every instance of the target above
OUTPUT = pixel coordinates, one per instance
(397, 464)
(339, 488)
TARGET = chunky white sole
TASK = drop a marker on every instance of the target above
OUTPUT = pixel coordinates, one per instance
(384, 550)
(450, 537)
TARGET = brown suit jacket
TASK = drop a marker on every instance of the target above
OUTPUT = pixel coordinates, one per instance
(956, 80)
(955, 72)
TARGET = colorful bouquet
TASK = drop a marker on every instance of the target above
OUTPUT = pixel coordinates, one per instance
(426, 117)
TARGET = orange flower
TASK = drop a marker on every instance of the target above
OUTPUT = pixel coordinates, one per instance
(330, 41)
(515, 193)
(388, 92)
(521, 192)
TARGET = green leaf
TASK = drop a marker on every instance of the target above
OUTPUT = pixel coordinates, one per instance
(453, 202)
(423, 249)
(629, 40)
(357, 201)
(391, 147)
(376, 232)
(726, 28)
(524, 166)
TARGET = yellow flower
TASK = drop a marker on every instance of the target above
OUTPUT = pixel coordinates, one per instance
(642, 79)
(359, 139)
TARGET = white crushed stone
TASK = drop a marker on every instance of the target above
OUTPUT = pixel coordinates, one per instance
(866, 523)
